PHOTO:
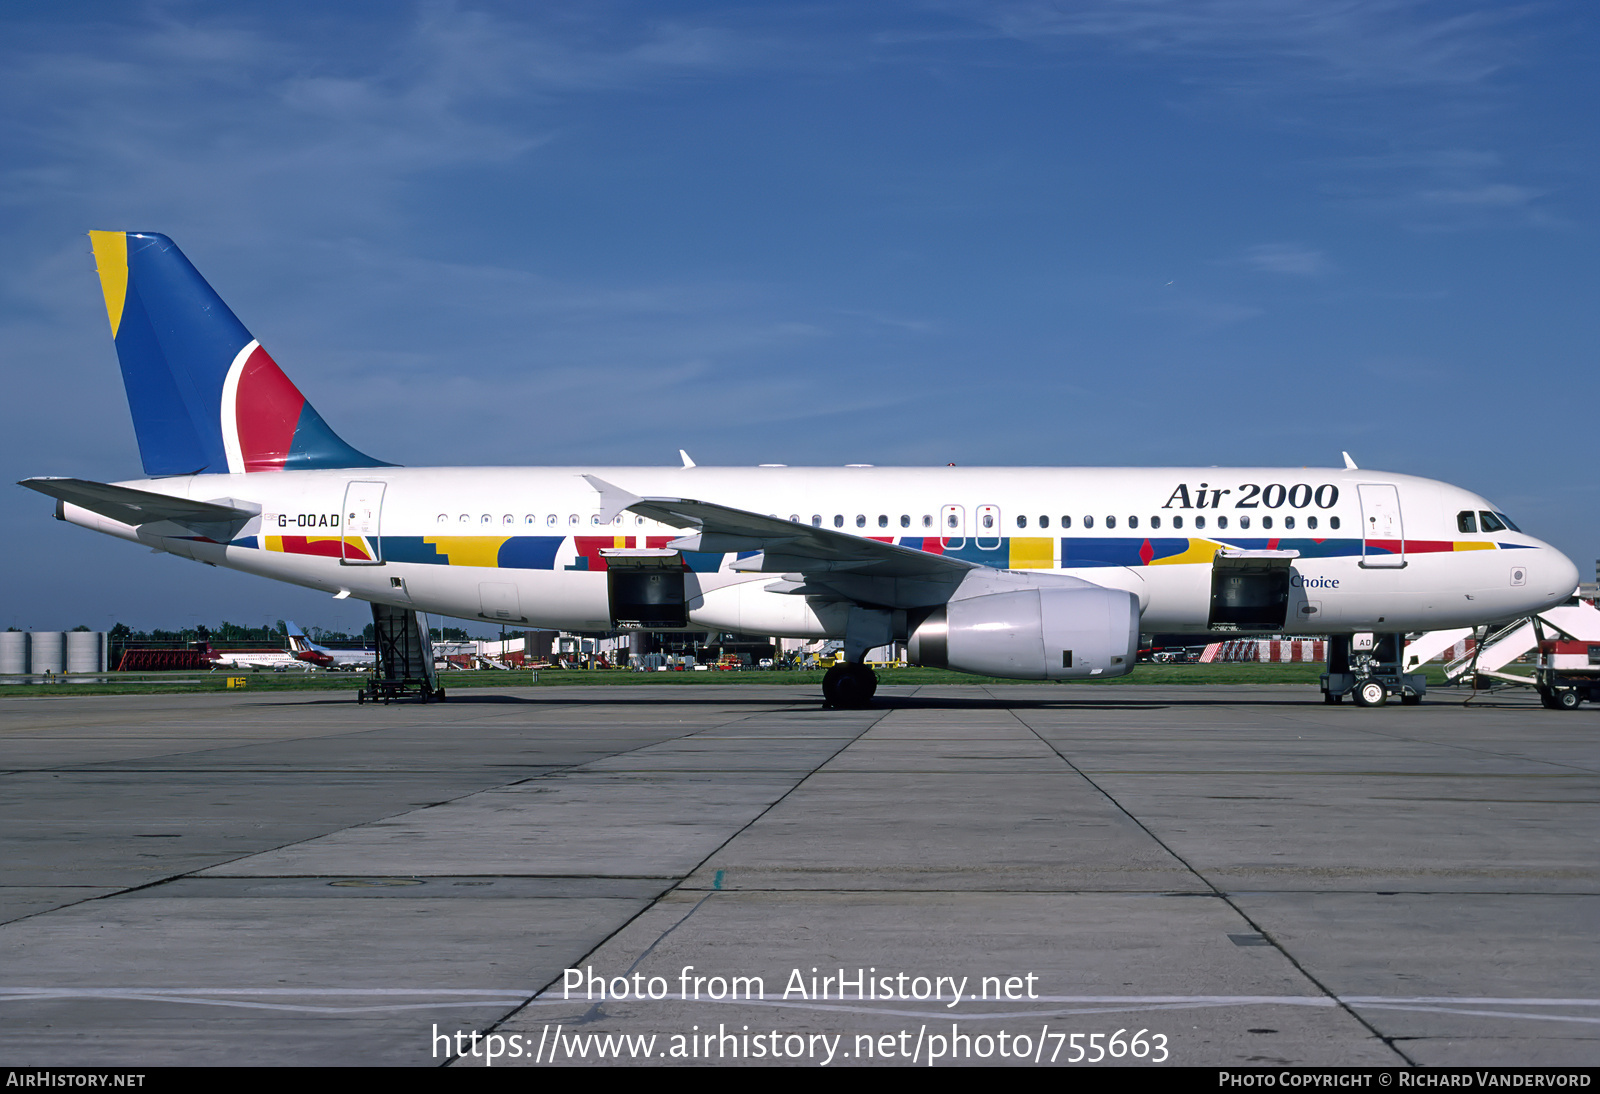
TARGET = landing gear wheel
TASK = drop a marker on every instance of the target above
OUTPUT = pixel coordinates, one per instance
(849, 686)
(1371, 693)
(1330, 697)
(1568, 699)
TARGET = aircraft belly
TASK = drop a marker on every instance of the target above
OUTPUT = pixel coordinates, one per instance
(558, 600)
(747, 608)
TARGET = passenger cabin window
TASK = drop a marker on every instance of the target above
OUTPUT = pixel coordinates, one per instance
(1467, 521)
(1177, 522)
(861, 520)
(1088, 522)
(1022, 522)
(1222, 522)
(1066, 522)
(444, 518)
(508, 519)
(1111, 522)
(883, 521)
(1266, 522)
(1491, 523)
(1133, 522)
(1199, 522)
(816, 520)
(465, 519)
(1333, 522)
(952, 521)
(552, 520)
(1288, 522)
(905, 520)
(1044, 522)
(838, 520)
(1311, 522)
(573, 520)
(529, 519)
(988, 520)
(1244, 521)
(1155, 522)
(927, 520)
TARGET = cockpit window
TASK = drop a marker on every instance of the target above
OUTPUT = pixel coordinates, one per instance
(1508, 522)
(1491, 523)
(1466, 521)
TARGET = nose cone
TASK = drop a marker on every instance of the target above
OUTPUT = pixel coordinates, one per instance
(1556, 576)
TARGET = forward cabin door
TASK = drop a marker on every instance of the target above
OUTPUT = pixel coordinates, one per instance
(363, 513)
(1383, 537)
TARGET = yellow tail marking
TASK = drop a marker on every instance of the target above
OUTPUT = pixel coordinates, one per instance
(111, 261)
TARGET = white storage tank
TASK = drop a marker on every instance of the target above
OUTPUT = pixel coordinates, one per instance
(47, 651)
(13, 654)
(85, 651)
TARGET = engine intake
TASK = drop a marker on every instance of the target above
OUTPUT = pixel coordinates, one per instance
(1032, 634)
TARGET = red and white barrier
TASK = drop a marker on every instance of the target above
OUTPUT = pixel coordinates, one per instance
(1278, 651)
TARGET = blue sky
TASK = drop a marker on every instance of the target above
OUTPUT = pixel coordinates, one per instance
(1111, 232)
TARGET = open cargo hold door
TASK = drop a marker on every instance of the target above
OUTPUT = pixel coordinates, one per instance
(1250, 590)
(646, 587)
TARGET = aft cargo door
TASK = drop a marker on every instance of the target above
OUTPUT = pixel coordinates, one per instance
(646, 588)
(363, 514)
(1383, 537)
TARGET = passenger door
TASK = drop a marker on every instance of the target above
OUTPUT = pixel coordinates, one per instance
(363, 515)
(1383, 538)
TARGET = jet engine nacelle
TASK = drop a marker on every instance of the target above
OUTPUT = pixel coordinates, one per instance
(1032, 634)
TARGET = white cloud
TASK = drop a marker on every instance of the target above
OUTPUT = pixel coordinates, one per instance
(1285, 258)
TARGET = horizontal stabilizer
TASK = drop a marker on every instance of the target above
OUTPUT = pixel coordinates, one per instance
(135, 507)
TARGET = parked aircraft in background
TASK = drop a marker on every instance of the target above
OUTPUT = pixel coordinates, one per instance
(324, 658)
(276, 660)
(1033, 573)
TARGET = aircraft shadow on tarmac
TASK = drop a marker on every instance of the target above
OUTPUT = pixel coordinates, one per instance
(882, 702)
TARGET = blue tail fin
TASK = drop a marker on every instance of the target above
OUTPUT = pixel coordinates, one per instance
(205, 397)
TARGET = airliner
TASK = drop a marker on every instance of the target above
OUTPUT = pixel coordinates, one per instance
(1036, 573)
(322, 657)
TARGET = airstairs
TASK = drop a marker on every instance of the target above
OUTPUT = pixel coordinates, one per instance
(1492, 649)
(404, 664)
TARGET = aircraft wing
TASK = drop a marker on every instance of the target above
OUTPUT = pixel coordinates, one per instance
(812, 561)
(136, 507)
(782, 545)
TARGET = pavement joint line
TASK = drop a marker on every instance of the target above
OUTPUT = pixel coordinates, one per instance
(1302, 970)
(513, 1012)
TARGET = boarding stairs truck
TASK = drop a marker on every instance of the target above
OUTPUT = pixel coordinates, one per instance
(1565, 641)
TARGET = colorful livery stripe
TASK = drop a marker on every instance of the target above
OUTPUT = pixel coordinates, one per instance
(1021, 553)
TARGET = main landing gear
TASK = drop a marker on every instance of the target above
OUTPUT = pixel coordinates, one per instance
(848, 686)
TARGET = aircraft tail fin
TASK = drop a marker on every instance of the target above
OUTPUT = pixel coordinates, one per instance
(205, 397)
(298, 642)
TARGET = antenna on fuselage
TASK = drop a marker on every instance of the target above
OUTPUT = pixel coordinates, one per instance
(687, 462)
(1349, 464)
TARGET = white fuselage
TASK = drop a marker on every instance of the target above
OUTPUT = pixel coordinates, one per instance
(1376, 551)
